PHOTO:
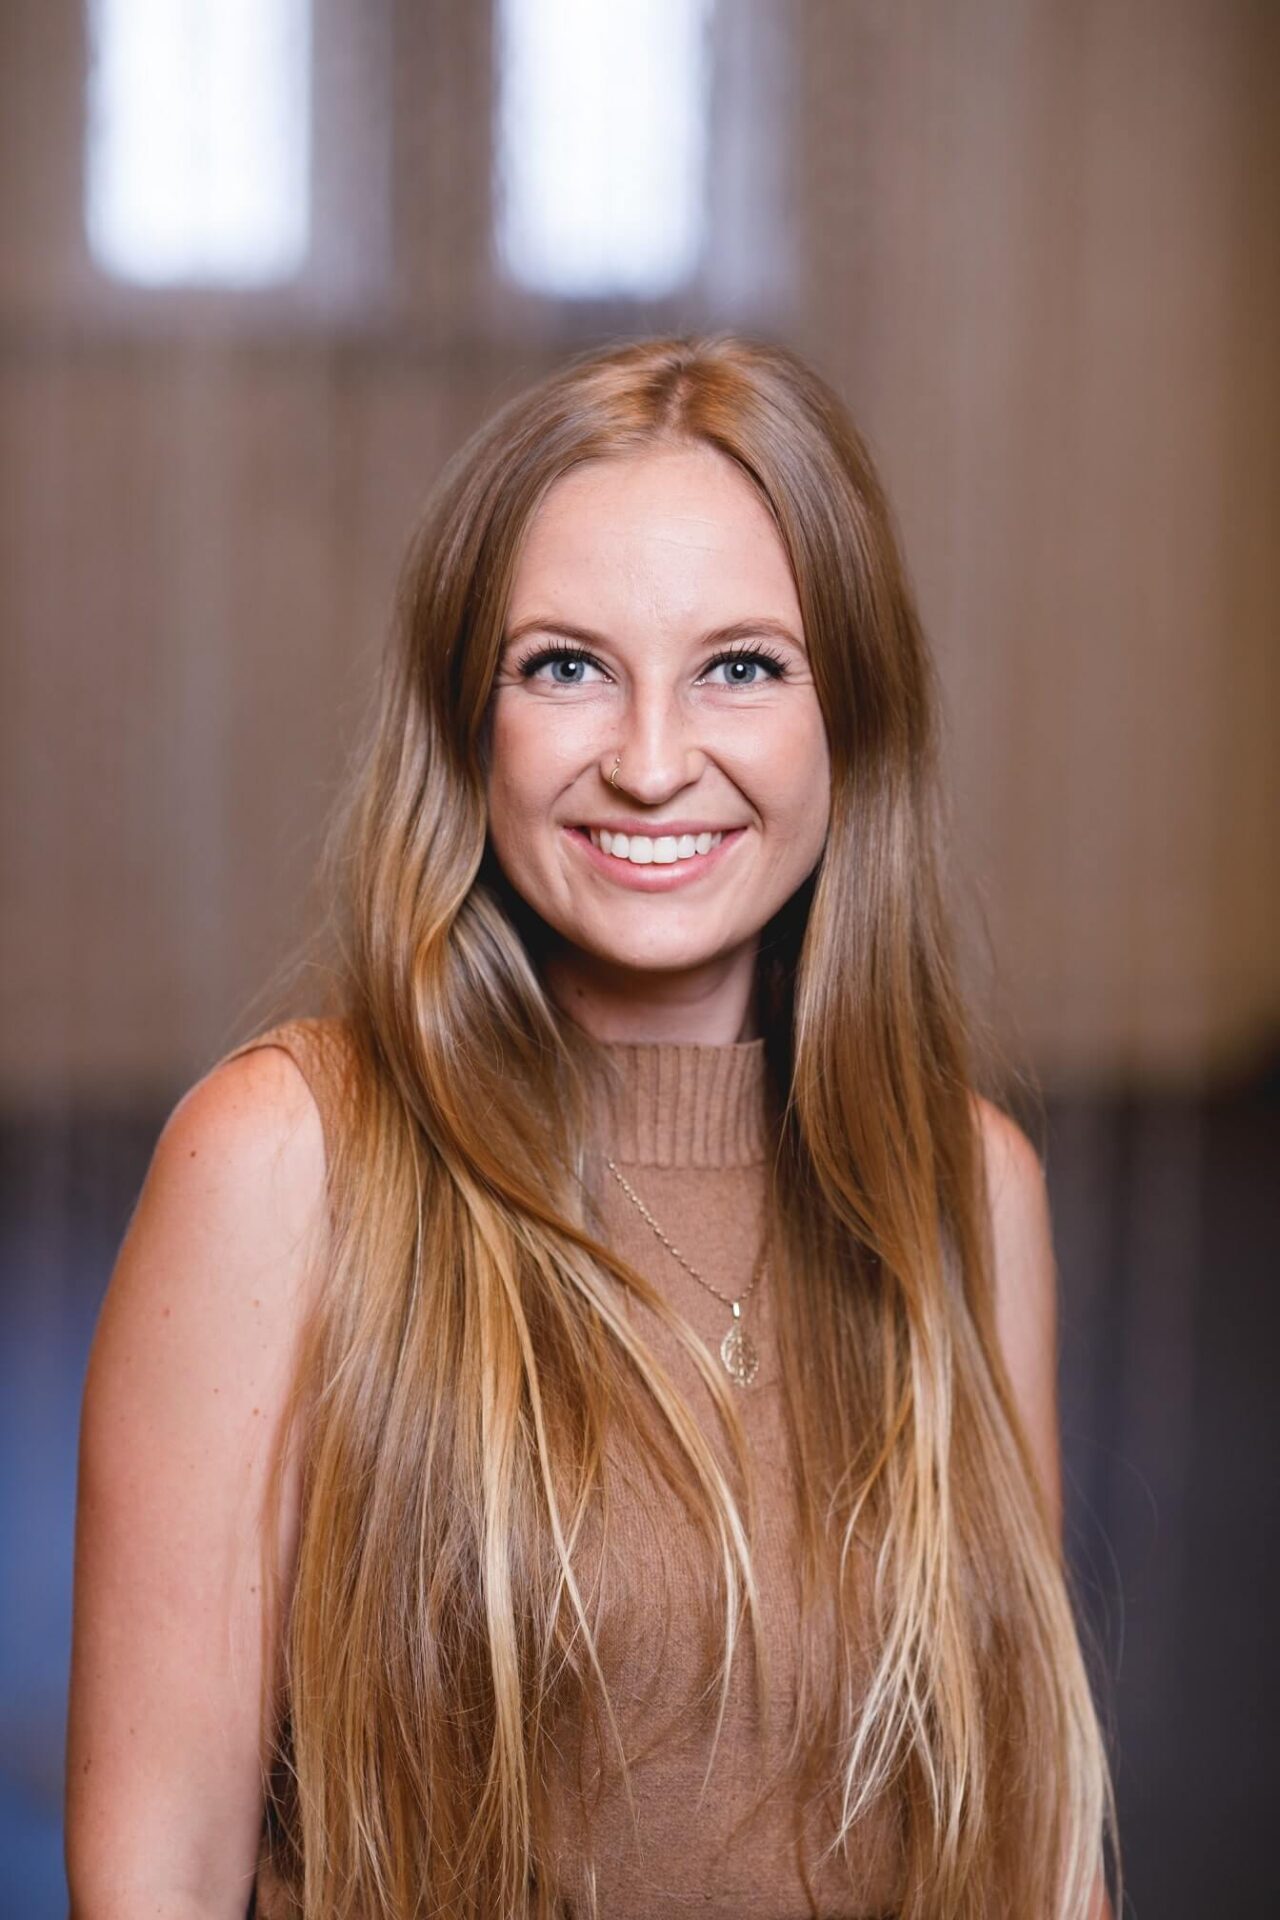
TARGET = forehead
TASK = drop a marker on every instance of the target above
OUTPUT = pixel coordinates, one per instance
(684, 522)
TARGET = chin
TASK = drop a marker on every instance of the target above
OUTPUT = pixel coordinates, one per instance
(679, 959)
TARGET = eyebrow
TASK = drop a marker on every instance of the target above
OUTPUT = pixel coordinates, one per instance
(757, 626)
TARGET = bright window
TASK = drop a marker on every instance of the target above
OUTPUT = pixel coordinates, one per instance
(198, 139)
(601, 143)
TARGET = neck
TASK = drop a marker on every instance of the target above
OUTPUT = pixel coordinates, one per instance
(714, 1007)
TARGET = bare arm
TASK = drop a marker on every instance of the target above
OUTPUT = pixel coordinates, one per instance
(187, 1375)
(1027, 1309)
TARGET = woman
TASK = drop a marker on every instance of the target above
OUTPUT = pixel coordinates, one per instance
(618, 1328)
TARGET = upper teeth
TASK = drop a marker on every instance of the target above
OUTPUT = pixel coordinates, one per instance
(644, 849)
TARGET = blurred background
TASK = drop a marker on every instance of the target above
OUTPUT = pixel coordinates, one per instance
(265, 263)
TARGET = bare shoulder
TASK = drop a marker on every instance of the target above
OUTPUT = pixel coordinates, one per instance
(234, 1190)
(1025, 1280)
(191, 1355)
(188, 1380)
(241, 1161)
(213, 1276)
(1015, 1170)
(253, 1113)
(1018, 1200)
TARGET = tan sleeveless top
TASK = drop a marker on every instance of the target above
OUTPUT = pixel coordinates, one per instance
(689, 1134)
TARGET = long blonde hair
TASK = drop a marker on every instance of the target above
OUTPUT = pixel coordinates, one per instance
(468, 1349)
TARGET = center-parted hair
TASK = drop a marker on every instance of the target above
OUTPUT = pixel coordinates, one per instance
(468, 1351)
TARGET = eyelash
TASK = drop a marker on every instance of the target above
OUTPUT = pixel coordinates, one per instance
(775, 665)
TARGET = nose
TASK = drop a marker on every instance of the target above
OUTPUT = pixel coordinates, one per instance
(653, 757)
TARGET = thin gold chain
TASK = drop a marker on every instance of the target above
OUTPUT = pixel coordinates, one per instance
(676, 1253)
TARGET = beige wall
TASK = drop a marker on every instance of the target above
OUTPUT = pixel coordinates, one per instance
(1048, 229)
(1031, 244)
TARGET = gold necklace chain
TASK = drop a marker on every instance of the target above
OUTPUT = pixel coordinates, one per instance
(737, 1349)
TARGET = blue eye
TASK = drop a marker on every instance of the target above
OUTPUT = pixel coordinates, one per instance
(775, 667)
(548, 655)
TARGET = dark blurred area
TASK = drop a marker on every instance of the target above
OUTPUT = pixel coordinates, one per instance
(265, 263)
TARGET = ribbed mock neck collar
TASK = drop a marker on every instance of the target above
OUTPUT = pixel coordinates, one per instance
(688, 1103)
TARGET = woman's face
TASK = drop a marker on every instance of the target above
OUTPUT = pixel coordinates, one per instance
(631, 572)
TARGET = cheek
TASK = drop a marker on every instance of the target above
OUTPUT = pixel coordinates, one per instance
(796, 772)
(516, 766)
(531, 747)
(525, 781)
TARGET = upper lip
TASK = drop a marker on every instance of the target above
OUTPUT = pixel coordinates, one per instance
(655, 829)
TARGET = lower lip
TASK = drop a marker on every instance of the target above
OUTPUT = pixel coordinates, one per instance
(654, 878)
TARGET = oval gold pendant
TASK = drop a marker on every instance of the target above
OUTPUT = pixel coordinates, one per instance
(741, 1360)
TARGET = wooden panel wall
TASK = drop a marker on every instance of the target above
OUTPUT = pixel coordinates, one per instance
(1029, 243)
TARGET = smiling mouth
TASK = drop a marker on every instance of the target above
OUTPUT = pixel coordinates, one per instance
(658, 850)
